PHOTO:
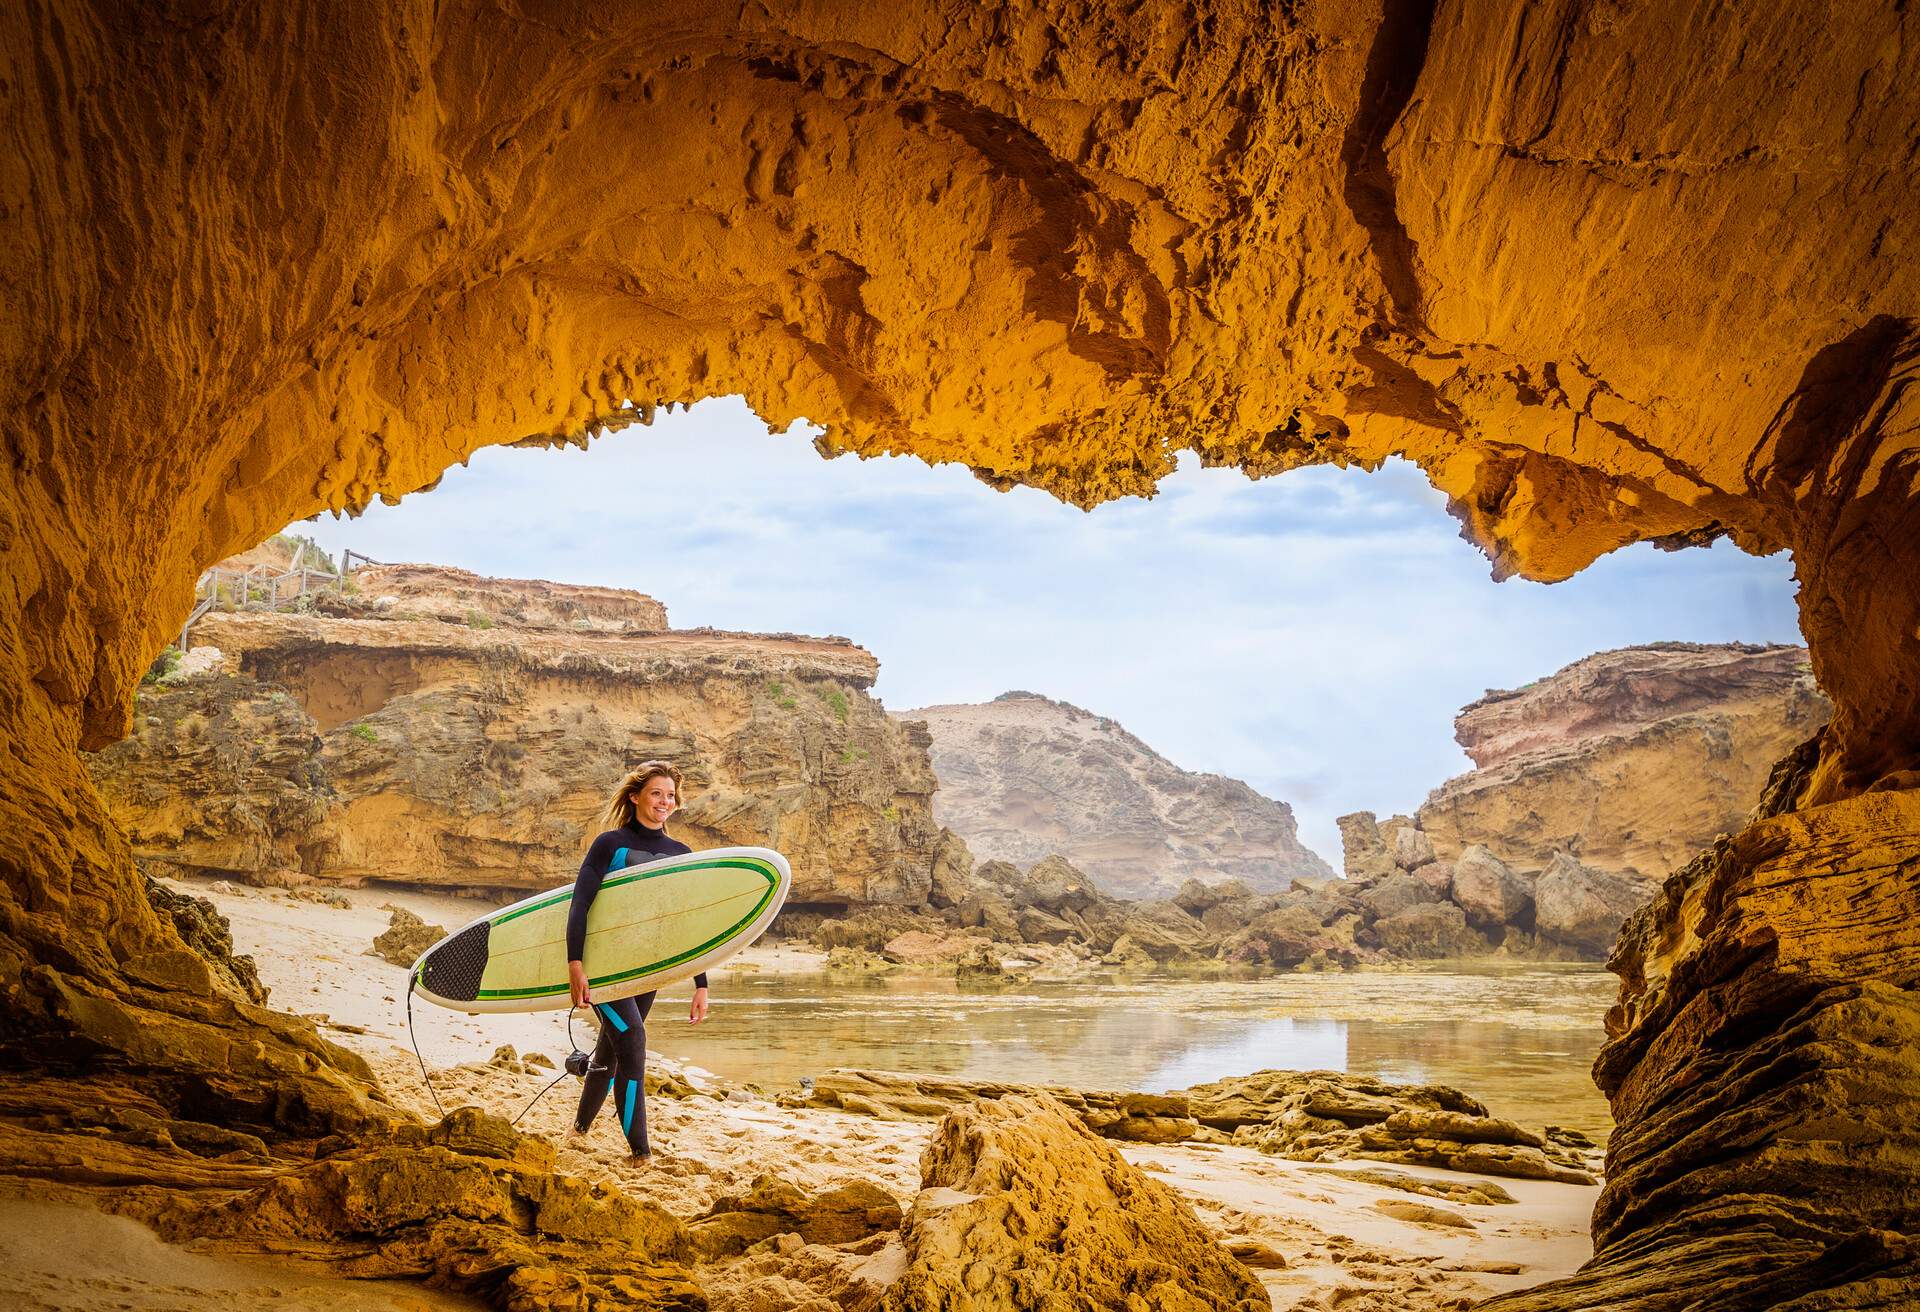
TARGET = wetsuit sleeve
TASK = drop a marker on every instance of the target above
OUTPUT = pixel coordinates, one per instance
(586, 886)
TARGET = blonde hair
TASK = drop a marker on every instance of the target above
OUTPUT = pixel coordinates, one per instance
(620, 809)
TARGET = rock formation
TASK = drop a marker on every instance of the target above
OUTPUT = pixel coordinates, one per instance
(1021, 1208)
(1606, 273)
(1306, 1115)
(443, 728)
(1413, 904)
(1023, 777)
(1630, 760)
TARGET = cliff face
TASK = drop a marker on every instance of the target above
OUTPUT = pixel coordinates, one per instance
(1630, 760)
(481, 753)
(1607, 273)
(1023, 777)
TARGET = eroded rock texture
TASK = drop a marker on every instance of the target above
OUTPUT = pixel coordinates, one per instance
(1022, 1208)
(1607, 273)
(1023, 777)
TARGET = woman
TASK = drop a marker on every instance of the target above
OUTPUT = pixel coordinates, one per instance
(638, 813)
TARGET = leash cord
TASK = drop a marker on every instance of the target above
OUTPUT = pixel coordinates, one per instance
(425, 1075)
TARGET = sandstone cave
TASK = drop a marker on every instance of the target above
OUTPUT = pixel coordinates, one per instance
(1607, 273)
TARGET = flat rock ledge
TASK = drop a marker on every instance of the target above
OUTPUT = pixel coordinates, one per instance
(1304, 1115)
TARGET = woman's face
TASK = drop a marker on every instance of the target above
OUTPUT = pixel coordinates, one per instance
(655, 802)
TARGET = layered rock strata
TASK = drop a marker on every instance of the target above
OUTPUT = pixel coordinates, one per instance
(1630, 760)
(1761, 1068)
(1306, 1115)
(1024, 777)
(437, 751)
(1059, 248)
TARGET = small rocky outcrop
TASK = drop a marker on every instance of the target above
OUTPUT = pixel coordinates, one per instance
(1024, 777)
(1022, 1208)
(1475, 903)
(405, 938)
(1321, 1115)
(774, 1206)
(203, 929)
(1306, 1115)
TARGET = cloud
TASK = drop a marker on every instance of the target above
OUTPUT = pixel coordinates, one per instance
(1313, 634)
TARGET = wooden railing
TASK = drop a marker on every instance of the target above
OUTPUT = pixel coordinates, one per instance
(260, 587)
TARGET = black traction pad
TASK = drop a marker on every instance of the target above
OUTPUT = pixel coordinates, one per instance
(454, 968)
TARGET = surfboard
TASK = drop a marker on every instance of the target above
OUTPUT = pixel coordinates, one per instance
(650, 925)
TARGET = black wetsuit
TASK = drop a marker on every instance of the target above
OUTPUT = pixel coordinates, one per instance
(620, 1057)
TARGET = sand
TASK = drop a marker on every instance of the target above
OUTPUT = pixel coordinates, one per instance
(1338, 1247)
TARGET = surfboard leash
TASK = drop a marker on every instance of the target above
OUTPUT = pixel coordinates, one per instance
(565, 1070)
(413, 980)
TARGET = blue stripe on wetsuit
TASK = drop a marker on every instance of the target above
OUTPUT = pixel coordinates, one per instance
(611, 1016)
(626, 1112)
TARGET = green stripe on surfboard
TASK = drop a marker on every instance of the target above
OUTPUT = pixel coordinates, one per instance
(595, 981)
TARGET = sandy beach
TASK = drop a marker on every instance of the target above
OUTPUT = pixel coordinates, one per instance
(1336, 1240)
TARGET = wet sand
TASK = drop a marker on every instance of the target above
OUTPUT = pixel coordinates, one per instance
(1339, 1248)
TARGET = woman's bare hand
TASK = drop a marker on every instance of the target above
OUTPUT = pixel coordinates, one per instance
(577, 982)
(698, 1011)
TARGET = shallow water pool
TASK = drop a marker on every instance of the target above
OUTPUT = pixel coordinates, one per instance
(1522, 1039)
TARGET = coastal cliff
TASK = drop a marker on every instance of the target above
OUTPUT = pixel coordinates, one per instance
(1630, 760)
(441, 728)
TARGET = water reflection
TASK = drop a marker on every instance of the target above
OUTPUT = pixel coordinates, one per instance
(1522, 1039)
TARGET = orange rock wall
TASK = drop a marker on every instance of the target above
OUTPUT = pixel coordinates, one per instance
(1606, 272)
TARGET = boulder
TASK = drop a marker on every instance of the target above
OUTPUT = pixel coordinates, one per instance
(1491, 894)
(1365, 854)
(1411, 848)
(1164, 932)
(1021, 1207)
(406, 937)
(1436, 875)
(774, 1206)
(1196, 898)
(989, 909)
(1037, 926)
(1054, 885)
(1583, 907)
(952, 880)
(1429, 932)
(1398, 892)
(1285, 937)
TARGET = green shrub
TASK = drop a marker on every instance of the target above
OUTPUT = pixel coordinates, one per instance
(163, 665)
(836, 702)
(364, 732)
(479, 619)
(891, 813)
(781, 697)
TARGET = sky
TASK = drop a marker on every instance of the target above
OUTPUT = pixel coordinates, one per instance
(1313, 634)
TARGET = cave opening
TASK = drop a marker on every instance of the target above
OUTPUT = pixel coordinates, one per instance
(1605, 278)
